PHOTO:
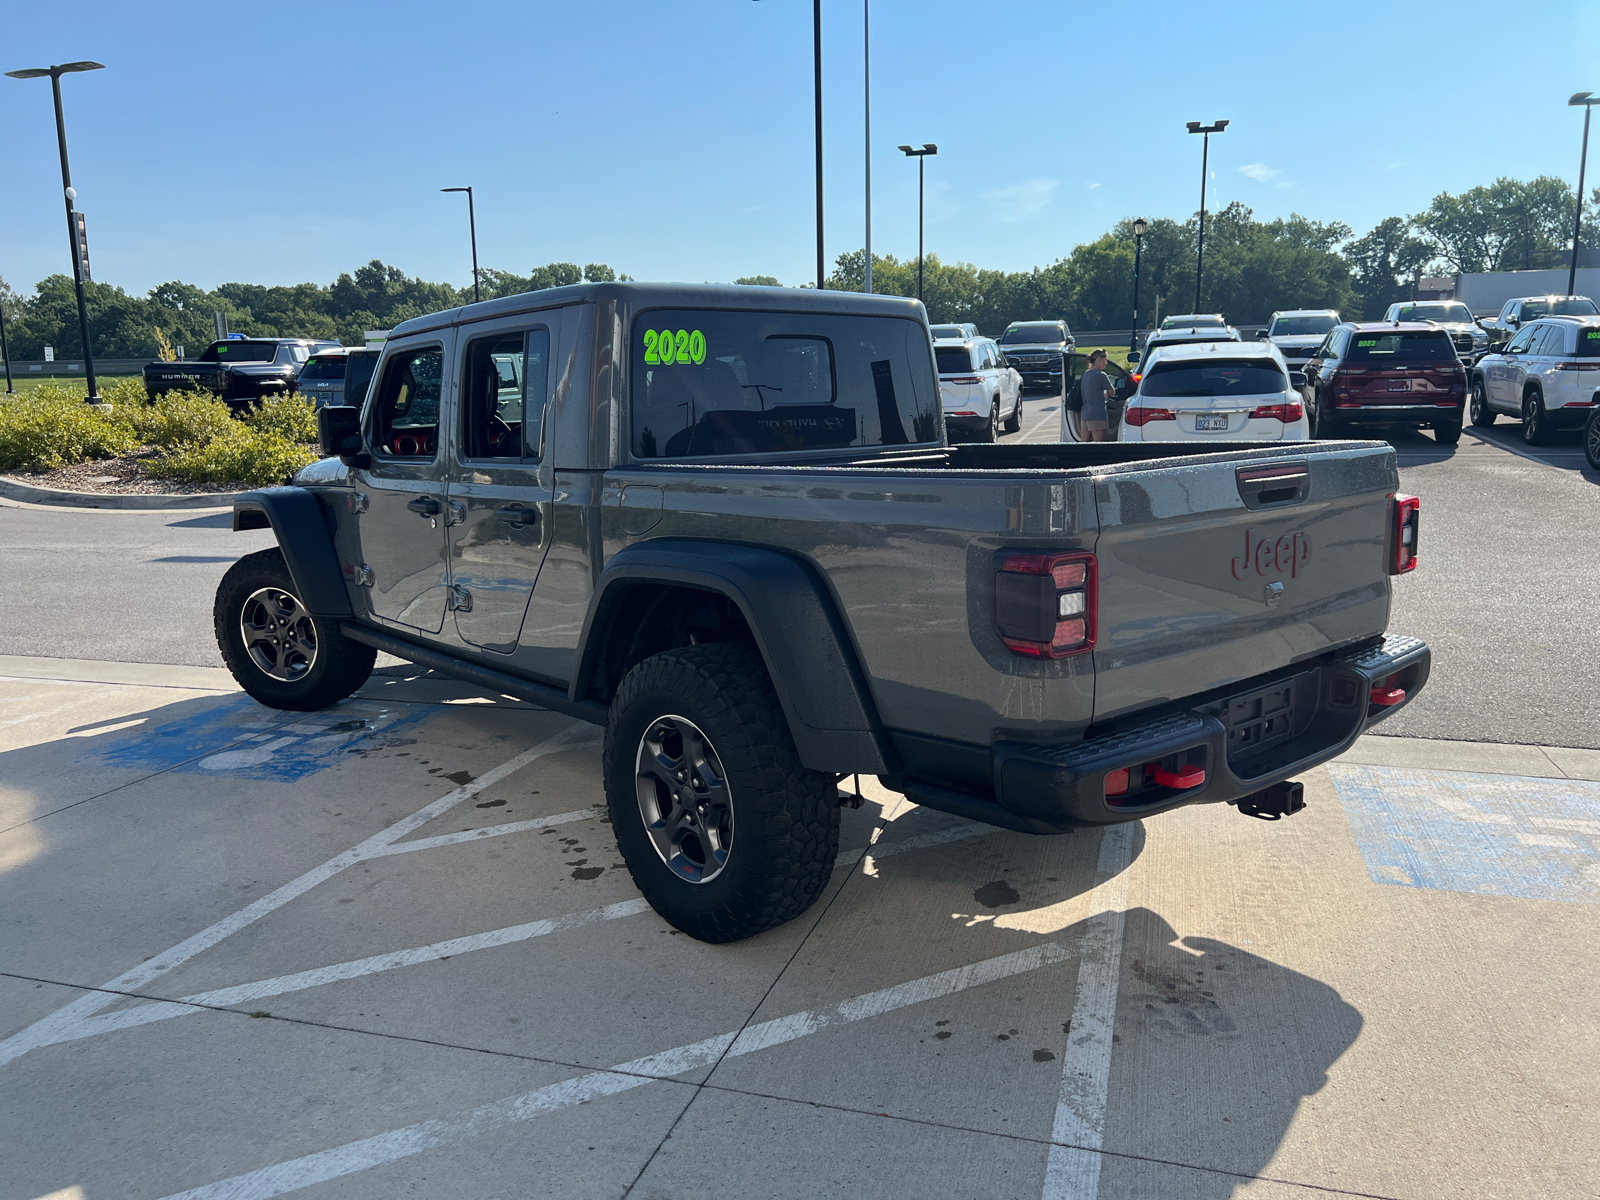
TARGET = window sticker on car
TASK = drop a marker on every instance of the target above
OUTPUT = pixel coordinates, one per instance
(664, 348)
(1372, 342)
(1593, 335)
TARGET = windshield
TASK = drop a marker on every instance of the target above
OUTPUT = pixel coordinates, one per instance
(1429, 346)
(953, 360)
(1303, 326)
(709, 383)
(1214, 377)
(239, 351)
(362, 363)
(1194, 321)
(1453, 313)
(1570, 306)
(1032, 335)
(324, 368)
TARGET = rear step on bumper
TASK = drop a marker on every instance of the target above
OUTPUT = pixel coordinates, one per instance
(1242, 749)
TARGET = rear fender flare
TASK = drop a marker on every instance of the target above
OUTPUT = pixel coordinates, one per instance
(303, 528)
(797, 630)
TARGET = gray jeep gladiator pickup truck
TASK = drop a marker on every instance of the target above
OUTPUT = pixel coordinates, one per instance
(723, 523)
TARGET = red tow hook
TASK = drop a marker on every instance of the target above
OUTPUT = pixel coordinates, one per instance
(1190, 776)
(1385, 697)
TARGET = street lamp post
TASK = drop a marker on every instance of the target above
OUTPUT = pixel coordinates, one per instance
(5, 350)
(927, 149)
(472, 224)
(816, 43)
(1139, 227)
(55, 74)
(1205, 156)
(866, 60)
(1587, 100)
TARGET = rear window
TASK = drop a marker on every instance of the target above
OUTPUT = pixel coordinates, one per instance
(1194, 322)
(1303, 326)
(323, 368)
(709, 383)
(1589, 343)
(1418, 346)
(240, 351)
(1569, 306)
(1214, 377)
(1031, 335)
(953, 360)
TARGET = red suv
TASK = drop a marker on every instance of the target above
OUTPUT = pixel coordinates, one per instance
(1377, 375)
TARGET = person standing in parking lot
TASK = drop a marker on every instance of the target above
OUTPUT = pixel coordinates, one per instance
(1096, 393)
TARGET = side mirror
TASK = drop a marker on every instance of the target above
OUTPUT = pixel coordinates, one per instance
(1133, 356)
(339, 434)
(1297, 379)
(1261, 335)
(1513, 322)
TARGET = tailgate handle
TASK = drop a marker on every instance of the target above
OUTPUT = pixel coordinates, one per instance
(1270, 487)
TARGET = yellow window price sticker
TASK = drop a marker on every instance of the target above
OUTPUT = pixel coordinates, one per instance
(666, 347)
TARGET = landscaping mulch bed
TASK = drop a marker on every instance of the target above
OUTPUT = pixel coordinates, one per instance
(122, 476)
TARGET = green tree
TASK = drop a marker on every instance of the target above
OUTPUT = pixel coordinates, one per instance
(1506, 226)
(1383, 264)
(759, 280)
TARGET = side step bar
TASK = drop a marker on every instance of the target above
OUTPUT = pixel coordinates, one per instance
(503, 682)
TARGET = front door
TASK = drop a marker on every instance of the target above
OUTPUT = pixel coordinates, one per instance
(1504, 382)
(401, 495)
(504, 483)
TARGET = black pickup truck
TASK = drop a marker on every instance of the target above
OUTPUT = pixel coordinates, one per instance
(238, 370)
(724, 524)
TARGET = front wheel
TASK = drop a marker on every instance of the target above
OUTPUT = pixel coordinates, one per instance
(280, 654)
(722, 828)
(1480, 412)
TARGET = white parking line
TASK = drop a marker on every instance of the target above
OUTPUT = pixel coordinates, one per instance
(473, 835)
(51, 1028)
(1072, 1171)
(353, 1157)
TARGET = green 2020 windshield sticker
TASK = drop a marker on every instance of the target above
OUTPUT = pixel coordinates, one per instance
(664, 348)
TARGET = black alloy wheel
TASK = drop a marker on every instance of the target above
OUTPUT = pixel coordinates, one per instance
(991, 431)
(1480, 412)
(1535, 424)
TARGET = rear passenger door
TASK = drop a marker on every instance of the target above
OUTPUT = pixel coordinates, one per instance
(502, 485)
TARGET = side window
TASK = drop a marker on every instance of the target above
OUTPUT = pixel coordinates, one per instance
(299, 353)
(503, 394)
(1520, 343)
(405, 415)
(1554, 342)
(989, 362)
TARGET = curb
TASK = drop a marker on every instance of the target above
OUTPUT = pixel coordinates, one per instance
(15, 489)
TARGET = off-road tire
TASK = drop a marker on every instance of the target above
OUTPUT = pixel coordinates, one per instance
(1482, 415)
(1447, 433)
(1536, 429)
(786, 818)
(1014, 421)
(339, 667)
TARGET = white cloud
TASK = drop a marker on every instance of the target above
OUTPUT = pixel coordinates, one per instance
(1092, 186)
(1262, 173)
(1021, 200)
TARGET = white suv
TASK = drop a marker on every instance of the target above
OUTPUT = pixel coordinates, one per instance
(1548, 376)
(981, 391)
(1225, 391)
(1298, 332)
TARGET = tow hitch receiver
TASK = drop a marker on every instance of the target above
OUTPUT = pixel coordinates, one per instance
(1273, 803)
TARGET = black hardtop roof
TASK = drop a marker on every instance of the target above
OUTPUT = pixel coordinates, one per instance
(636, 296)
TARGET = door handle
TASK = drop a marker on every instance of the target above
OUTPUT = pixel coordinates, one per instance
(425, 506)
(515, 514)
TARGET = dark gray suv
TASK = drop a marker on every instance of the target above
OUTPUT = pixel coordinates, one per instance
(1037, 349)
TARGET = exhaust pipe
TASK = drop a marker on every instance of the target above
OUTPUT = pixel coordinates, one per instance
(1273, 803)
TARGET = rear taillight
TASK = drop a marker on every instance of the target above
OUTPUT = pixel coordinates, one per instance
(1136, 376)
(1137, 415)
(1045, 604)
(962, 379)
(1277, 412)
(1404, 523)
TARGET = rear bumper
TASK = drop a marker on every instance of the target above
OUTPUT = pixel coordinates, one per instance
(1570, 416)
(1319, 708)
(969, 423)
(1393, 414)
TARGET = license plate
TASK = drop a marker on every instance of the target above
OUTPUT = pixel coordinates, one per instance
(1211, 422)
(1399, 385)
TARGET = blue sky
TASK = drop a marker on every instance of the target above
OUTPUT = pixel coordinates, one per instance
(289, 142)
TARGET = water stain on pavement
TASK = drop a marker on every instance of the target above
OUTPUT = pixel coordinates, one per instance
(993, 895)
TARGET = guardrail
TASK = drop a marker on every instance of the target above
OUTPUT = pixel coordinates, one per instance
(23, 368)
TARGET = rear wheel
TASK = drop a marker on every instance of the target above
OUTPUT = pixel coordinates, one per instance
(1535, 424)
(280, 654)
(1014, 421)
(1480, 412)
(1447, 433)
(991, 431)
(722, 828)
(1591, 440)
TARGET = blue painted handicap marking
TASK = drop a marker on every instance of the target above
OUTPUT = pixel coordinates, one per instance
(1498, 835)
(239, 738)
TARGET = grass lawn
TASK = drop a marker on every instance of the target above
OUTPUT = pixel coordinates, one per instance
(1117, 354)
(26, 381)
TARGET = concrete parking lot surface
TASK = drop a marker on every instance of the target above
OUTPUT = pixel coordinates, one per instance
(389, 949)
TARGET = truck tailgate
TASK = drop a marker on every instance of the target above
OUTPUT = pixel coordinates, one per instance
(1211, 574)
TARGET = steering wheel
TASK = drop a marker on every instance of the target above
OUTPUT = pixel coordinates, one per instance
(499, 432)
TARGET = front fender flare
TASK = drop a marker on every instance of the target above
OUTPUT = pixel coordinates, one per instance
(797, 628)
(301, 524)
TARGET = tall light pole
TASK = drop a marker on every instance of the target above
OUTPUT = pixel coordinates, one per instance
(816, 41)
(1139, 227)
(67, 190)
(920, 155)
(1588, 100)
(1205, 156)
(866, 76)
(472, 224)
(5, 350)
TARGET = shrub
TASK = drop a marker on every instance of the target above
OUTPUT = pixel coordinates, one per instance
(51, 426)
(240, 454)
(290, 417)
(187, 418)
